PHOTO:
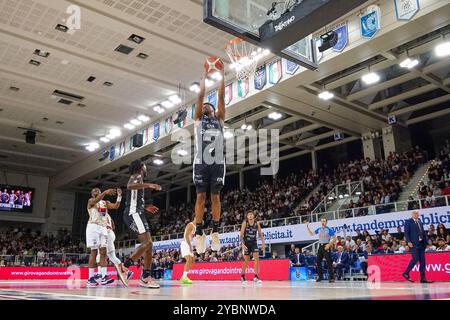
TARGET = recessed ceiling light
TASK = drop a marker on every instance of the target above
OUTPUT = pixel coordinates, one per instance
(108, 84)
(41, 53)
(129, 126)
(371, 78)
(195, 87)
(45, 119)
(104, 139)
(143, 118)
(135, 122)
(228, 135)
(326, 95)
(61, 27)
(442, 49)
(167, 104)
(136, 39)
(142, 55)
(158, 109)
(275, 116)
(35, 63)
(175, 99)
(158, 162)
(409, 63)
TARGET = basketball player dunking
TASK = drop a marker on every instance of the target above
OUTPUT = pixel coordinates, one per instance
(209, 161)
(249, 242)
(136, 220)
(97, 234)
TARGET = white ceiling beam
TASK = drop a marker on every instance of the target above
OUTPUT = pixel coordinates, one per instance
(420, 106)
(402, 96)
(52, 146)
(429, 116)
(31, 155)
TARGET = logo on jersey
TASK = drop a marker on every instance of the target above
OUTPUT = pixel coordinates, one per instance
(112, 153)
(291, 67)
(168, 125)
(260, 77)
(156, 133)
(243, 87)
(122, 148)
(228, 94)
(342, 32)
(275, 71)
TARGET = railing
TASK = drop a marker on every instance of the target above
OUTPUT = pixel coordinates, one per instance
(340, 192)
(48, 259)
(315, 217)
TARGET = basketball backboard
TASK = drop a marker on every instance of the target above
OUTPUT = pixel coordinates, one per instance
(284, 27)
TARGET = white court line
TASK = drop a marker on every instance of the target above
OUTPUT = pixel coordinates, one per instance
(54, 294)
(21, 282)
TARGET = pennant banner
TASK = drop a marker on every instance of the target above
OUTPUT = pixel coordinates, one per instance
(342, 32)
(228, 94)
(260, 77)
(243, 88)
(291, 67)
(156, 133)
(275, 71)
(370, 22)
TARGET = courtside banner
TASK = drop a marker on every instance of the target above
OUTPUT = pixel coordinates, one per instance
(268, 270)
(295, 233)
(44, 273)
(392, 266)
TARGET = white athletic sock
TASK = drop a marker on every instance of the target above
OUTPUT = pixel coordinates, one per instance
(91, 272)
(185, 274)
(103, 271)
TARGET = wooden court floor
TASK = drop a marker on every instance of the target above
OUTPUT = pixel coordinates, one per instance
(224, 290)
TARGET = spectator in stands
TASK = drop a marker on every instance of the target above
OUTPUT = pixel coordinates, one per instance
(365, 257)
(442, 231)
(274, 255)
(341, 262)
(298, 259)
(430, 246)
(442, 245)
(291, 252)
(385, 250)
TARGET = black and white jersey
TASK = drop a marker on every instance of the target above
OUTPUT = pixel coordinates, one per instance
(135, 198)
(209, 141)
(250, 233)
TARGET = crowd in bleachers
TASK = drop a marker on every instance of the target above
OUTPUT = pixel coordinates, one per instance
(383, 180)
(21, 246)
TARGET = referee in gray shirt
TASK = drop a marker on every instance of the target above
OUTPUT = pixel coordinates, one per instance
(327, 239)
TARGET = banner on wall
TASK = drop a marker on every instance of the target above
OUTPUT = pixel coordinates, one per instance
(406, 9)
(371, 22)
(392, 266)
(291, 67)
(275, 71)
(342, 31)
(228, 94)
(260, 80)
(297, 233)
(268, 270)
(156, 129)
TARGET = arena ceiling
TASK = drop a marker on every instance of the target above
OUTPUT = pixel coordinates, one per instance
(176, 44)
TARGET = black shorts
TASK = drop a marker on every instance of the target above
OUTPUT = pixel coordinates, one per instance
(137, 222)
(251, 248)
(209, 176)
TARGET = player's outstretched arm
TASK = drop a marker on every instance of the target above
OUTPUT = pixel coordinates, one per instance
(93, 201)
(200, 98)
(221, 100)
(309, 230)
(116, 205)
(136, 183)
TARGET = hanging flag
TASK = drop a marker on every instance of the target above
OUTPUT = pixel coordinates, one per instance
(145, 135)
(156, 133)
(122, 148)
(371, 22)
(342, 31)
(168, 125)
(275, 71)
(260, 77)
(243, 88)
(406, 9)
(291, 67)
(193, 111)
(212, 98)
(112, 152)
(228, 94)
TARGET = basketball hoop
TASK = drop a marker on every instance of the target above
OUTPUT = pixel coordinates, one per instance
(244, 61)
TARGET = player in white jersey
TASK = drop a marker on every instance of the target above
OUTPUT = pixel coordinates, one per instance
(187, 252)
(123, 273)
(97, 233)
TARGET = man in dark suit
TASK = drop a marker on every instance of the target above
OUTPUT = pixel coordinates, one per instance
(417, 240)
(341, 262)
(298, 259)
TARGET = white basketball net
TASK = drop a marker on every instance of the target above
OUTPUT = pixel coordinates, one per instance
(244, 61)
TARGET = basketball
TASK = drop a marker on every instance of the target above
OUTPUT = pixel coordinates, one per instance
(213, 64)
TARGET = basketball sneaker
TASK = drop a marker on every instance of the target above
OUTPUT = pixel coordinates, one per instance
(186, 280)
(149, 282)
(92, 283)
(200, 243)
(257, 280)
(215, 242)
(106, 280)
(130, 275)
(122, 273)
(97, 277)
(243, 280)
